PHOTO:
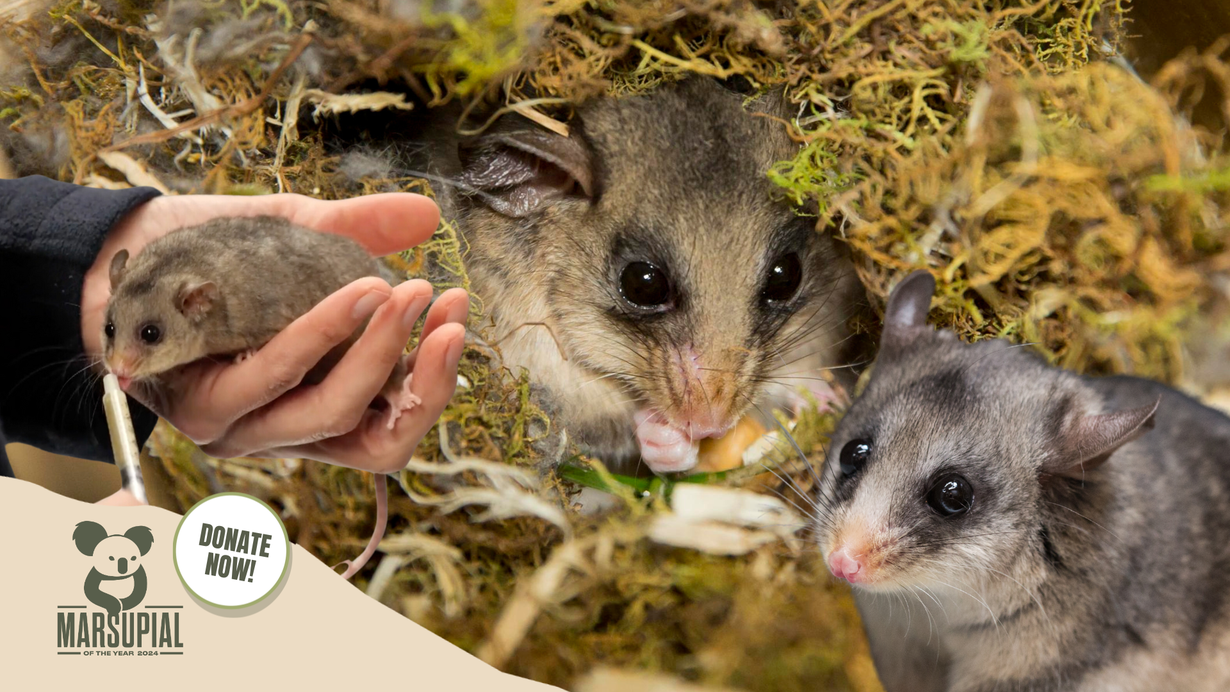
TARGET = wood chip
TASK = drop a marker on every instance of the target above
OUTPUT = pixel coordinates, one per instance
(707, 537)
(96, 180)
(351, 103)
(703, 503)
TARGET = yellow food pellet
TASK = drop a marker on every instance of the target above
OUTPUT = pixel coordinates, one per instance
(726, 452)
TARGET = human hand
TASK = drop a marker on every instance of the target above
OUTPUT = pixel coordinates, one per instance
(254, 408)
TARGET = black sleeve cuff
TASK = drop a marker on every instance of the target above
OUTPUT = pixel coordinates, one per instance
(50, 235)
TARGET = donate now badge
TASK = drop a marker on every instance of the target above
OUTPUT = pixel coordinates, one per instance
(231, 550)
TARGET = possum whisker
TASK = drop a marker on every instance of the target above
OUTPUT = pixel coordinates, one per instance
(994, 617)
(1082, 516)
(1031, 594)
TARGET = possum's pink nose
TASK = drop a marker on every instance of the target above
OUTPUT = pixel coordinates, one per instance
(123, 370)
(843, 565)
(704, 391)
(702, 422)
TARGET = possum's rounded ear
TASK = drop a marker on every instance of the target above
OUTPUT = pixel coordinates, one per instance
(1085, 441)
(142, 536)
(522, 168)
(196, 298)
(118, 262)
(87, 536)
(905, 317)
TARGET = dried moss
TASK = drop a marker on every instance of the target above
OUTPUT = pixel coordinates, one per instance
(1061, 218)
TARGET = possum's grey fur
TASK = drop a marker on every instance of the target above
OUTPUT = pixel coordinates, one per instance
(1108, 574)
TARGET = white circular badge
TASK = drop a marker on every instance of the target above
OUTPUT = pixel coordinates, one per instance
(231, 550)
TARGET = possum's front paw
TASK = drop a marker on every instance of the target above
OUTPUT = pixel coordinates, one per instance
(401, 400)
(664, 447)
(239, 358)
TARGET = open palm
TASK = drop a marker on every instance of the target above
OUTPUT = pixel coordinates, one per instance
(256, 407)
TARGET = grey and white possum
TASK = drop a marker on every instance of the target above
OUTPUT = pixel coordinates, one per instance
(1008, 525)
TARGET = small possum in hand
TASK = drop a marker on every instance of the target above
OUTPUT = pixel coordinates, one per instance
(1009, 525)
(224, 289)
(646, 270)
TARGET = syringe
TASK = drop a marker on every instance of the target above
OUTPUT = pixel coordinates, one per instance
(123, 438)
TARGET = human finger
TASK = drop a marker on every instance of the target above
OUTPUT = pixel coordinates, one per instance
(384, 223)
(336, 405)
(231, 392)
(453, 306)
(372, 446)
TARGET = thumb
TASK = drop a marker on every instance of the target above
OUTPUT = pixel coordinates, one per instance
(384, 223)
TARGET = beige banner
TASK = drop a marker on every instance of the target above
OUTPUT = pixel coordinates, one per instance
(316, 630)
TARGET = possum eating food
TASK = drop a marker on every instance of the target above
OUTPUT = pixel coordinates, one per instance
(644, 269)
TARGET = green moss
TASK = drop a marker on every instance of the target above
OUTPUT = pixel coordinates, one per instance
(813, 175)
(1200, 184)
(480, 50)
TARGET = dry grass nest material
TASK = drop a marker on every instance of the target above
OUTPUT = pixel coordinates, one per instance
(1059, 199)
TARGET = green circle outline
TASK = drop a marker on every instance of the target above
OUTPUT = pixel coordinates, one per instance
(175, 556)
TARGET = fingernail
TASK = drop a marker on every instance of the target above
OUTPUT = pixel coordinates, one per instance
(453, 355)
(460, 311)
(368, 304)
(414, 310)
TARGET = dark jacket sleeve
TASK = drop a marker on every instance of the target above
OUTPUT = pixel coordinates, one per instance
(50, 234)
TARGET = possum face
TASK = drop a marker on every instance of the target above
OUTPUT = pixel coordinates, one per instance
(944, 472)
(153, 321)
(675, 273)
(693, 307)
(927, 484)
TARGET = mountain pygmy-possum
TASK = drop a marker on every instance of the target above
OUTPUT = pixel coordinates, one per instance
(225, 288)
(646, 270)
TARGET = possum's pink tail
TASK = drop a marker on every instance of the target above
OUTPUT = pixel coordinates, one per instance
(382, 520)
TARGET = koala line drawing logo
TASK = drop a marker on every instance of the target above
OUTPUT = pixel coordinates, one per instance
(117, 581)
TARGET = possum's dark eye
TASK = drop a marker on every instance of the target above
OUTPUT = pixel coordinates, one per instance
(112, 558)
(109, 330)
(785, 275)
(151, 334)
(854, 456)
(133, 558)
(644, 285)
(951, 495)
